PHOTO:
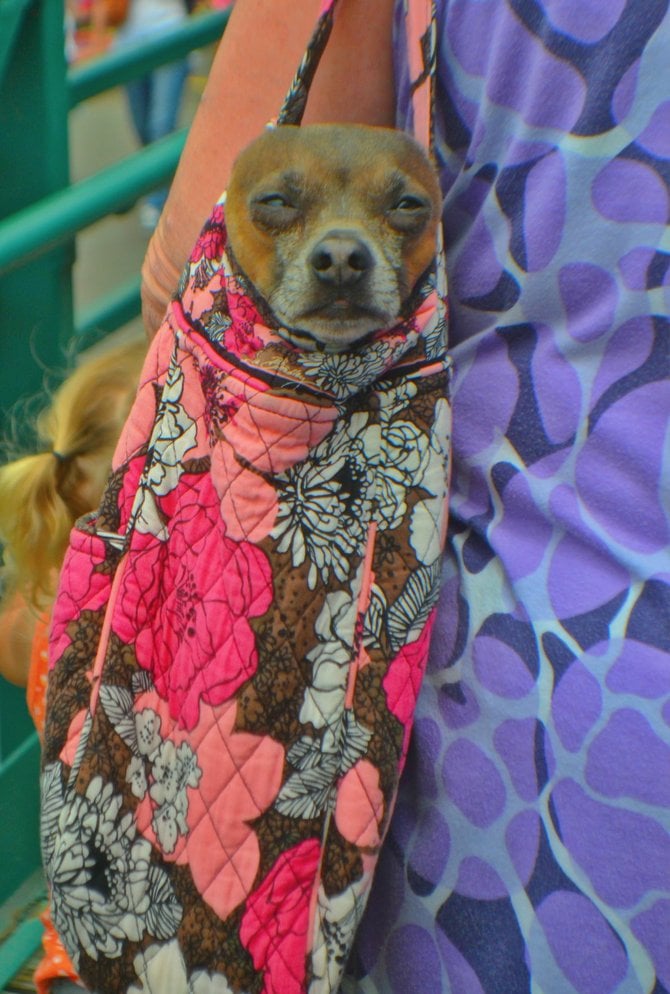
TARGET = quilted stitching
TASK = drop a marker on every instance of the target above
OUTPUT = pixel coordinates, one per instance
(218, 815)
(214, 773)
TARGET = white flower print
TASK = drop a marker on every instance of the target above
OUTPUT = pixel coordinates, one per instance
(217, 325)
(323, 699)
(324, 501)
(105, 891)
(409, 612)
(407, 449)
(174, 770)
(343, 373)
(337, 919)
(429, 516)
(169, 822)
(140, 731)
(406, 455)
(202, 982)
(51, 806)
(435, 333)
(318, 762)
(136, 776)
(394, 398)
(147, 727)
(161, 968)
(323, 702)
(173, 435)
(373, 622)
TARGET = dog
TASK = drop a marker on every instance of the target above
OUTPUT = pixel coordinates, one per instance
(333, 225)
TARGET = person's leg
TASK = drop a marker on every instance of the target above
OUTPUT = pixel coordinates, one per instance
(167, 87)
(139, 94)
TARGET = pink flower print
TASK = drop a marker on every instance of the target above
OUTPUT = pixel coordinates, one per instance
(128, 491)
(359, 808)
(403, 680)
(82, 587)
(220, 405)
(198, 297)
(139, 423)
(69, 750)
(185, 604)
(276, 921)
(208, 246)
(242, 308)
(248, 501)
(217, 217)
(212, 239)
(241, 339)
(233, 778)
(271, 433)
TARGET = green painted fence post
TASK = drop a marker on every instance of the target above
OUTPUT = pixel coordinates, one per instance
(36, 300)
(35, 307)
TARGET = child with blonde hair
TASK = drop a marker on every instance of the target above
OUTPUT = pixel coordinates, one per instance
(41, 496)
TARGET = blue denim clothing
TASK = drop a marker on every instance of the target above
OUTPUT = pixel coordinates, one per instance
(154, 101)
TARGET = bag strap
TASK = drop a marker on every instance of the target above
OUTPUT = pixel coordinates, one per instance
(421, 32)
(295, 101)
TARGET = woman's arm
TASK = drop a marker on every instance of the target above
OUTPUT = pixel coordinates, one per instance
(253, 68)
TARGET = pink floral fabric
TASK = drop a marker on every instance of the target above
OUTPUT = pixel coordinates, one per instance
(239, 637)
(276, 921)
(185, 605)
(238, 642)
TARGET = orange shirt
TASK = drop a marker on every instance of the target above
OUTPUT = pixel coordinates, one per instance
(55, 962)
(36, 690)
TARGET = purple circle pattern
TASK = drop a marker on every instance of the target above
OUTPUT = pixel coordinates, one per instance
(530, 848)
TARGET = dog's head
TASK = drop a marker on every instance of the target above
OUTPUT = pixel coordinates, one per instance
(333, 224)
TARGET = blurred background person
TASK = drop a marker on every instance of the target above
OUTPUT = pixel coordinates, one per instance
(154, 100)
(89, 27)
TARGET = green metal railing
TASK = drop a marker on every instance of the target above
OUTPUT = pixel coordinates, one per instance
(41, 218)
(40, 215)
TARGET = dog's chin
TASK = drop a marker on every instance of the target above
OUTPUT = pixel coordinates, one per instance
(334, 327)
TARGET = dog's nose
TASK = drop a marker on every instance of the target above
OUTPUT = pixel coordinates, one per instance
(341, 258)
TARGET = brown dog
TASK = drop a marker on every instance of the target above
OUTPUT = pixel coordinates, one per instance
(334, 225)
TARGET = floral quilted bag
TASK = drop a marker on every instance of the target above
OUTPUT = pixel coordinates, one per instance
(238, 641)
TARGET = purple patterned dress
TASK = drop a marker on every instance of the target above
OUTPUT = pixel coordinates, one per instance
(530, 849)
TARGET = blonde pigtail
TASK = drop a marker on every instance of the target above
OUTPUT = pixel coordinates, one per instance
(35, 523)
(42, 495)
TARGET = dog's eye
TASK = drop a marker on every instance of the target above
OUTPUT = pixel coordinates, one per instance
(273, 200)
(273, 211)
(409, 213)
(409, 203)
